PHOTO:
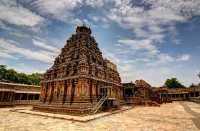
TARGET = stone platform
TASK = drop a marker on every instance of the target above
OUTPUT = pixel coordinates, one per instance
(85, 118)
(176, 116)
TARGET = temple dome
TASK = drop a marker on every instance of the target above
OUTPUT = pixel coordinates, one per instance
(83, 30)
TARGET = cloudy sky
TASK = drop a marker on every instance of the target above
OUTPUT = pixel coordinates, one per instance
(147, 39)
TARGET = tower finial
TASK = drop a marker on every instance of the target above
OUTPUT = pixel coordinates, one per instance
(84, 24)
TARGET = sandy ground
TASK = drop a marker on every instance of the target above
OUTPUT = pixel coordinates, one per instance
(176, 116)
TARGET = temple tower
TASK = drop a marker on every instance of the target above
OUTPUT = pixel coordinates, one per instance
(79, 77)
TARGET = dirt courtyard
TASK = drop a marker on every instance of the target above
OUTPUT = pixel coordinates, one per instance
(176, 116)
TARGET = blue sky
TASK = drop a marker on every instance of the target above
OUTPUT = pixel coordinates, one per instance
(147, 39)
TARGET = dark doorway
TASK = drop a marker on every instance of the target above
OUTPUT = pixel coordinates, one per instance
(103, 92)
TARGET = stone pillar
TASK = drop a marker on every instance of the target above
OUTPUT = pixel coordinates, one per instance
(110, 92)
(97, 89)
(78, 88)
(93, 88)
(42, 91)
(64, 91)
(27, 96)
(45, 92)
(2, 96)
(11, 96)
(20, 96)
(69, 88)
(87, 87)
(51, 92)
(33, 96)
(48, 91)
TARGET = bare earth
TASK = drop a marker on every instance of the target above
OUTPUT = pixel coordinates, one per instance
(176, 116)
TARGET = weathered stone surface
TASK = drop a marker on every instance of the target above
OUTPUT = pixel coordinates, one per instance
(176, 116)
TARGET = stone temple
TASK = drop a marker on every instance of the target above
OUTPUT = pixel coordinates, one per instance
(80, 80)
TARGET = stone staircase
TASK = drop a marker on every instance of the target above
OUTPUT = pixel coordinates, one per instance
(98, 105)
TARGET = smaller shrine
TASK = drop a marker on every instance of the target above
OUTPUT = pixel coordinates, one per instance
(140, 93)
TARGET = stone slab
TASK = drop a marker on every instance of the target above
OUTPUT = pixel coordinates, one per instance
(85, 118)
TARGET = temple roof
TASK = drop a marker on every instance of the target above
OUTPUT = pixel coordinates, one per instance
(83, 30)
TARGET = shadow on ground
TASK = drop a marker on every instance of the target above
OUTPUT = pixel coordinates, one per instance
(196, 119)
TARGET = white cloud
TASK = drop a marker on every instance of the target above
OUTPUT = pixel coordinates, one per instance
(15, 14)
(153, 56)
(138, 44)
(6, 55)
(95, 3)
(148, 25)
(45, 46)
(184, 57)
(9, 47)
(57, 9)
(144, 44)
(159, 17)
(22, 67)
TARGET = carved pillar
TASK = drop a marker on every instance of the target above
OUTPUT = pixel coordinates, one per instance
(87, 87)
(55, 91)
(69, 88)
(93, 88)
(73, 82)
(82, 90)
(48, 91)
(65, 91)
(51, 92)
(45, 92)
(97, 88)
(90, 90)
(78, 88)
(27, 96)
(1, 94)
(60, 91)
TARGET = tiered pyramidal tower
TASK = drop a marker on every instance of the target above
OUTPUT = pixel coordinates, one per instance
(80, 77)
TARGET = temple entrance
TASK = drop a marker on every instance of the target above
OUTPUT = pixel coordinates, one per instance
(109, 101)
(103, 92)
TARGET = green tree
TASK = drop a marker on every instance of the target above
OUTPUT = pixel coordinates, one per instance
(22, 78)
(13, 76)
(173, 83)
(35, 78)
(3, 71)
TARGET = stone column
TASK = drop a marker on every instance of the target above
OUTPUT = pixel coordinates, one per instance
(33, 96)
(65, 91)
(69, 88)
(78, 88)
(62, 86)
(11, 96)
(2, 96)
(51, 92)
(27, 96)
(20, 96)
(96, 87)
(87, 88)
(93, 88)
